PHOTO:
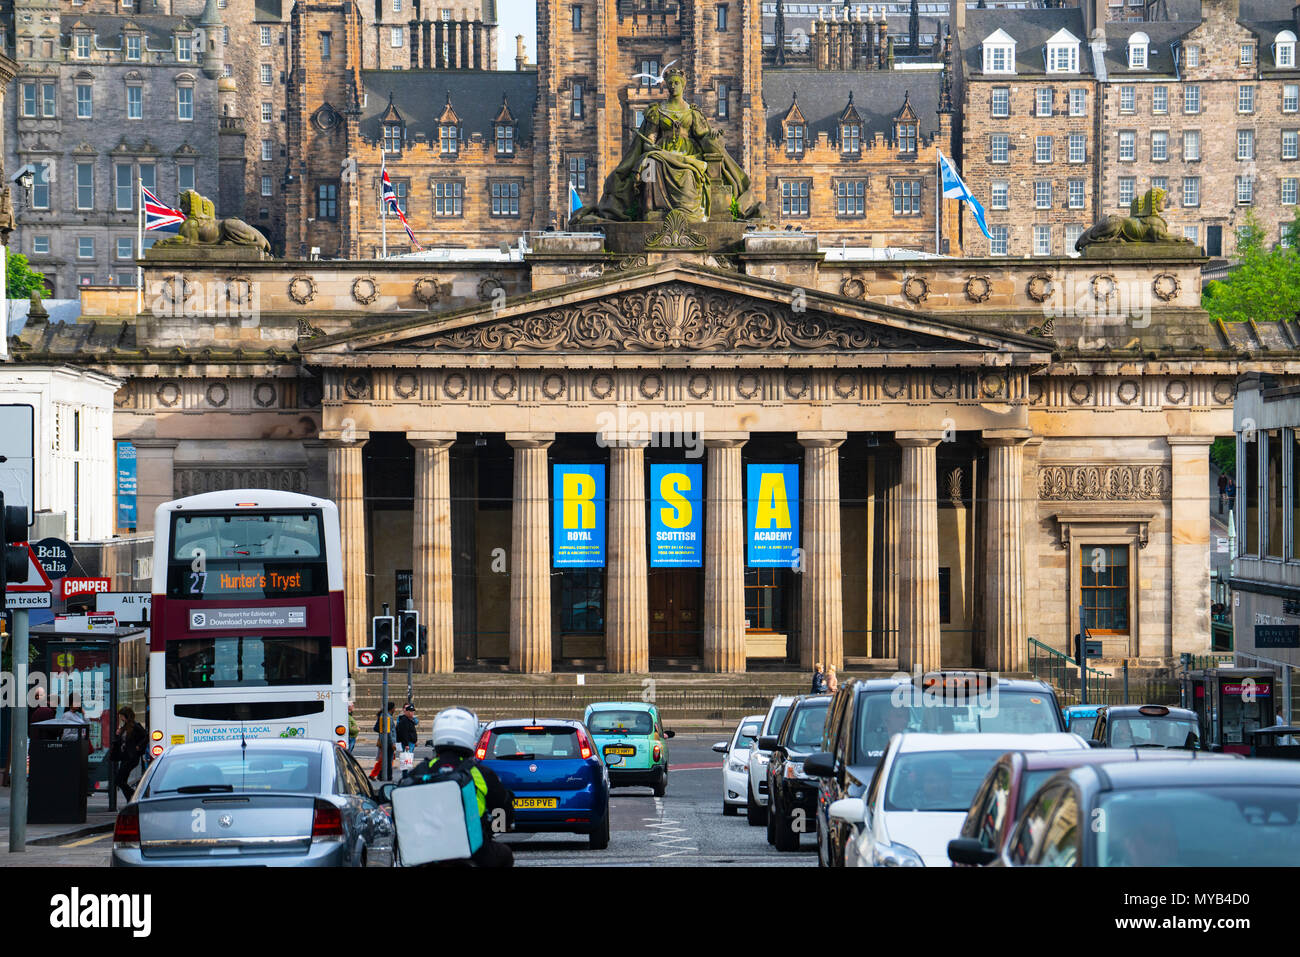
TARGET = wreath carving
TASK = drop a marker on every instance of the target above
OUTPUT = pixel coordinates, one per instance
(427, 290)
(504, 385)
(454, 386)
(1127, 392)
(916, 289)
(992, 385)
(699, 385)
(893, 385)
(845, 385)
(264, 395)
(747, 385)
(602, 385)
(853, 288)
(1040, 287)
(218, 394)
(978, 288)
(357, 386)
(553, 386)
(364, 290)
(302, 289)
(652, 386)
(1104, 286)
(1166, 286)
(169, 393)
(488, 287)
(796, 385)
(239, 291)
(406, 385)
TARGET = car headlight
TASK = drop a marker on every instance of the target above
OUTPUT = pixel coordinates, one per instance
(895, 855)
(738, 766)
(794, 772)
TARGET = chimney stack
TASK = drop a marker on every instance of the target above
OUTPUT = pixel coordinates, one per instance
(520, 57)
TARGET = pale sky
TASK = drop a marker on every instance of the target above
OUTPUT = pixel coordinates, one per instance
(515, 16)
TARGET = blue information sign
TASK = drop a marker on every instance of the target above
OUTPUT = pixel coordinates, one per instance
(126, 517)
(578, 510)
(676, 516)
(772, 499)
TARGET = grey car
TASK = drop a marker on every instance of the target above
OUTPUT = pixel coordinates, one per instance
(272, 802)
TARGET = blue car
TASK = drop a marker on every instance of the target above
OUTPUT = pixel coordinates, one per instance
(1079, 718)
(558, 779)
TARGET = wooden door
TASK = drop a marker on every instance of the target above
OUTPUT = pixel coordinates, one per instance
(675, 625)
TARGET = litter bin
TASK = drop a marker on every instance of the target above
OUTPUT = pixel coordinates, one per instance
(59, 772)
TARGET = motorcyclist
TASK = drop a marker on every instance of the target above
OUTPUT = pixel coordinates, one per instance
(455, 732)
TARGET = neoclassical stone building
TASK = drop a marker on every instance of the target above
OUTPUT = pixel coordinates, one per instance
(983, 445)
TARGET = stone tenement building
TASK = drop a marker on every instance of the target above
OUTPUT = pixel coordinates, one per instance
(960, 462)
(105, 94)
(485, 155)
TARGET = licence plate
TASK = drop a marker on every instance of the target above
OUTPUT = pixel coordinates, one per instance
(536, 802)
(625, 751)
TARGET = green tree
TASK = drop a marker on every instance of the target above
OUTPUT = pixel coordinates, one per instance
(1266, 282)
(1223, 453)
(22, 280)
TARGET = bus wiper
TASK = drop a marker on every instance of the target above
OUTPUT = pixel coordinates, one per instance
(205, 788)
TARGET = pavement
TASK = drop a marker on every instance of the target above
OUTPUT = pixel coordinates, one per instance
(685, 828)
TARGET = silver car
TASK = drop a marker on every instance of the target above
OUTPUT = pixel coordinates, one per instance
(274, 802)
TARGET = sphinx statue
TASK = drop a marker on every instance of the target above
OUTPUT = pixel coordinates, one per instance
(676, 163)
(1145, 224)
(202, 228)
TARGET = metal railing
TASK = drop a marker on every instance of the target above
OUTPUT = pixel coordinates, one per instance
(1062, 673)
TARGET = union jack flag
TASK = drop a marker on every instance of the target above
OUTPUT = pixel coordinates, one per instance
(159, 215)
(390, 201)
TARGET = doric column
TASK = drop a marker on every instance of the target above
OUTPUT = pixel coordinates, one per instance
(891, 554)
(346, 489)
(821, 599)
(530, 555)
(464, 552)
(1004, 587)
(1189, 579)
(724, 554)
(918, 585)
(1028, 520)
(627, 621)
(431, 586)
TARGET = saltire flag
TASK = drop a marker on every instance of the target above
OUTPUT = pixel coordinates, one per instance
(390, 201)
(575, 201)
(159, 215)
(954, 187)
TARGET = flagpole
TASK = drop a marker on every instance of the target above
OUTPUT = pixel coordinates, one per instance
(383, 206)
(139, 244)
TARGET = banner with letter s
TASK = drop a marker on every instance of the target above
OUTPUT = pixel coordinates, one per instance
(676, 516)
(578, 516)
(772, 513)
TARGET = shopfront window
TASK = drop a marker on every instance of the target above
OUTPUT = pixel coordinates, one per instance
(1250, 492)
(1274, 544)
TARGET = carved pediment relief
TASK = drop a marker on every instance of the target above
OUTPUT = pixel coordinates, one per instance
(678, 316)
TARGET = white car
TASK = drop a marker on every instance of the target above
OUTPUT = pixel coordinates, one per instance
(735, 762)
(756, 790)
(918, 799)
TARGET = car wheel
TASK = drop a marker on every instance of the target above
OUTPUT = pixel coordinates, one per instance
(784, 837)
(771, 819)
(729, 810)
(661, 784)
(599, 838)
(754, 814)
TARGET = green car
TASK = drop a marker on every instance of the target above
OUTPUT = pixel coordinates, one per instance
(632, 741)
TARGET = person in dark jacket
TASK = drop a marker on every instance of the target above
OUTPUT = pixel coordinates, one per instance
(129, 746)
(455, 732)
(406, 730)
(819, 679)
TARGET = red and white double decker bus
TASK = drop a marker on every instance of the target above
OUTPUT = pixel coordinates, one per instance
(248, 629)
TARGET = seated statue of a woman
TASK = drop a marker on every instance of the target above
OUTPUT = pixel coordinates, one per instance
(667, 168)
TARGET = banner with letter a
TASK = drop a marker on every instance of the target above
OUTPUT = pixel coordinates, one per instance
(676, 516)
(772, 493)
(578, 522)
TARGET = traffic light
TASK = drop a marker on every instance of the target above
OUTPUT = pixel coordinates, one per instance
(424, 641)
(408, 635)
(13, 561)
(381, 639)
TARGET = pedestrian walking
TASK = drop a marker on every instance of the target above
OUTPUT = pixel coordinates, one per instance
(1231, 491)
(129, 746)
(353, 728)
(1223, 490)
(819, 679)
(832, 683)
(406, 733)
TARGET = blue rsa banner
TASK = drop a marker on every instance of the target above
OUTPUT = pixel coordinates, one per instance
(772, 515)
(125, 485)
(578, 516)
(676, 516)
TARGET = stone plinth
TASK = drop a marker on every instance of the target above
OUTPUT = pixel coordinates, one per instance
(719, 236)
(1131, 251)
(205, 254)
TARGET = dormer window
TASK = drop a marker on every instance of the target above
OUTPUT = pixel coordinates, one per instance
(1284, 50)
(184, 48)
(999, 53)
(449, 139)
(133, 46)
(1247, 54)
(907, 137)
(83, 46)
(1138, 44)
(392, 138)
(1063, 53)
(794, 139)
(505, 139)
(851, 138)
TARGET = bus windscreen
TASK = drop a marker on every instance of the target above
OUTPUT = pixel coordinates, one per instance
(246, 535)
(248, 662)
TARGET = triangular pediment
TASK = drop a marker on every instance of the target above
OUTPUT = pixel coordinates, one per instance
(677, 309)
